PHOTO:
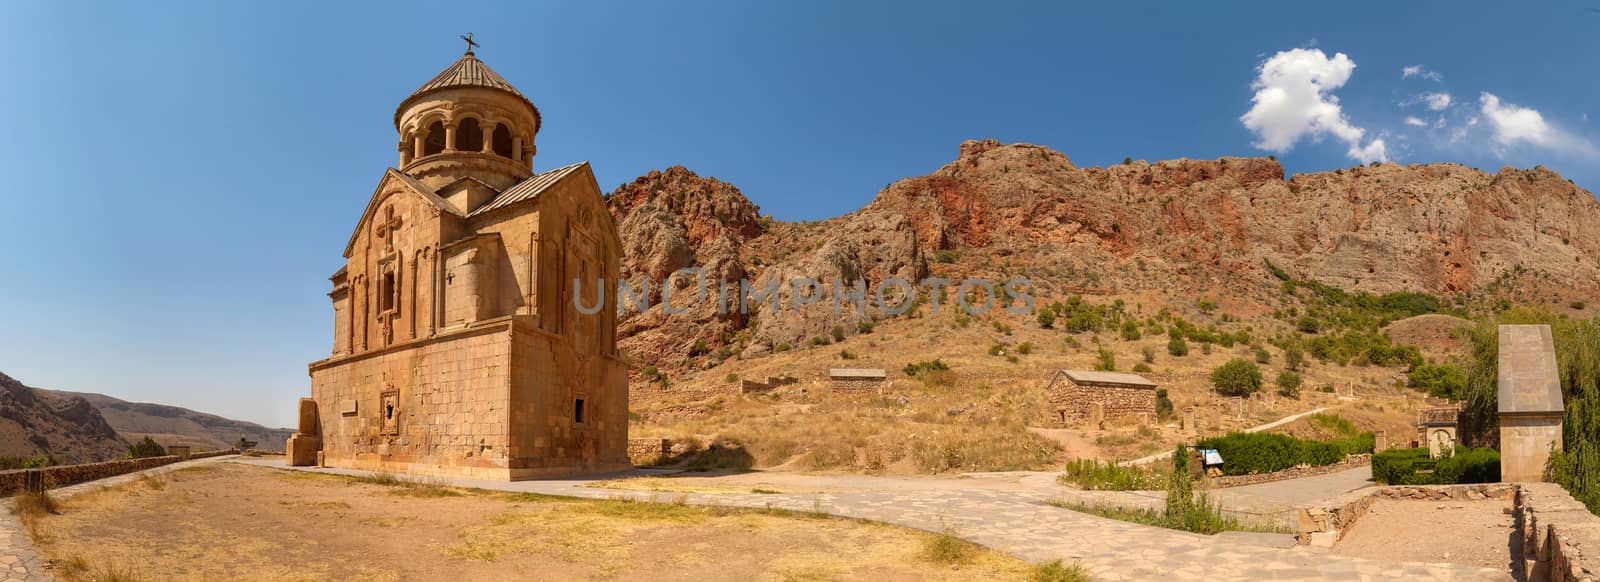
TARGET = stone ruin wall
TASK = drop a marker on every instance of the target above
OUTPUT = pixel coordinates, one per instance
(12, 481)
(857, 385)
(1553, 530)
(1076, 401)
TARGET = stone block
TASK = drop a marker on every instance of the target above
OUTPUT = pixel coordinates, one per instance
(1324, 539)
(302, 450)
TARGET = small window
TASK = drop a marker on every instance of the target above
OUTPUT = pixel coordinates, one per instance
(469, 136)
(386, 292)
(434, 143)
(577, 411)
(501, 140)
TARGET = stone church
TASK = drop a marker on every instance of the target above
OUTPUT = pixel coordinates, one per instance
(457, 346)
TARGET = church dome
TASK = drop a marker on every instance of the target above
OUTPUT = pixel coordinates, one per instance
(467, 122)
(467, 71)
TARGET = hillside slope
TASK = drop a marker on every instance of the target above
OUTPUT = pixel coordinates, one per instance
(171, 425)
(37, 422)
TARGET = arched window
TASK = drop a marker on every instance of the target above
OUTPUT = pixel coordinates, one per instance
(502, 140)
(469, 137)
(435, 140)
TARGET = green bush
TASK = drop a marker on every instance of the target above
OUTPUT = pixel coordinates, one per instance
(1163, 403)
(146, 448)
(1177, 347)
(1253, 453)
(1439, 381)
(1288, 384)
(918, 369)
(1414, 467)
(1047, 319)
(1237, 378)
(1106, 361)
(1092, 475)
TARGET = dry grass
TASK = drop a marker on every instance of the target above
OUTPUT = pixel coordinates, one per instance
(285, 527)
(681, 484)
(975, 415)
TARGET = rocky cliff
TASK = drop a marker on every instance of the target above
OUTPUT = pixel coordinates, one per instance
(170, 425)
(36, 423)
(1176, 229)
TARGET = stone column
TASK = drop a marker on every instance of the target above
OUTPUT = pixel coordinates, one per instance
(450, 137)
(1380, 441)
(488, 137)
(1189, 421)
(419, 146)
(405, 153)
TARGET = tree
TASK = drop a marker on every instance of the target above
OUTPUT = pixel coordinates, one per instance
(1293, 358)
(838, 333)
(1237, 378)
(1047, 318)
(146, 448)
(1163, 404)
(1440, 381)
(1288, 384)
(1130, 330)
(1106, 362)
(1177, 347)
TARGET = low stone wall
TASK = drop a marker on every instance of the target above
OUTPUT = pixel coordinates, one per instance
(1322, 525)
(1349, 462)
(62, 475)
(649, 451)
(856, 385)
(1554, 530)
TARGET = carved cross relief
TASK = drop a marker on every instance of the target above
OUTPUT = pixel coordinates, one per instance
(387, 227)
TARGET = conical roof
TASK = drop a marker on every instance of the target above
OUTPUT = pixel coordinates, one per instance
(467, 71)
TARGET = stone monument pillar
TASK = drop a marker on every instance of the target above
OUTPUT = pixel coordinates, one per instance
(304, 446)
(1531, 407)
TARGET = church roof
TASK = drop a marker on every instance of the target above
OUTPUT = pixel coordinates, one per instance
(528, 189)
(467, 71)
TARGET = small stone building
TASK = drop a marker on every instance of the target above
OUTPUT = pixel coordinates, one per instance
(1531, 408)
(1436, 426)
(1078, 397)
(857, 379)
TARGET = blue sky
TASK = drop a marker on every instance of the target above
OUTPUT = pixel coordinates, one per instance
(181, 178)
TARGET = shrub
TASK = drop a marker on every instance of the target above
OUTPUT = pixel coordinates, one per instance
(146, 448)
(1577, 305)
(838, 333)
(1262, 357)
(1177, 347)
(1047, 319)
(820, 341)
(1288, 384)
(1130, 330)
(1163, 404)
(1414, 467)
(865, 327)
(1142, 368)
(946, 256)
(1149, 355)
(781, 347)
(1293, 358)
(996, 350)
(1025, 348)
(1106, 361)
(731, 378)
(1236, 378)
(847, 355)
(1207, 306)
(1309, 325)
(919, 369)
(1440, 381)
(1252, 453)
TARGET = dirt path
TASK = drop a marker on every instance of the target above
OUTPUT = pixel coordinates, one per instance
(1476, 533)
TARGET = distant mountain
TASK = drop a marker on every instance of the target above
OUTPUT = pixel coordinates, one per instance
(36, 422)
(171, 425)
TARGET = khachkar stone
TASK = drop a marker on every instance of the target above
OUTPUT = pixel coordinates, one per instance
(457, 346)
(1530, 401)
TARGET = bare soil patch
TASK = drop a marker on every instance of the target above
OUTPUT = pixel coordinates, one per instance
(233, 521)
(1476, 532)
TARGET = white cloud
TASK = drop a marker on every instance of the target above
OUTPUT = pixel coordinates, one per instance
(1294, 100)
(1515, 125)
(1419, 71)
(1416, 122)
(1438, 101)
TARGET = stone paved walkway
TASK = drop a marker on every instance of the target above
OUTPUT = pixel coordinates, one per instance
(1018, 522)
(18, 560)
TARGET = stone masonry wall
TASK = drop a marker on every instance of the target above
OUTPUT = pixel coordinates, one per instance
(1324, 523)
(1559, 538)
(1071, 403)
(62, 475)
(858, 385)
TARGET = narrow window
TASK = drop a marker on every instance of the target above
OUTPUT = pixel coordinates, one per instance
(502, 140)
(577, 412)
(386, 292)
(469, 136)
(435, 141)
